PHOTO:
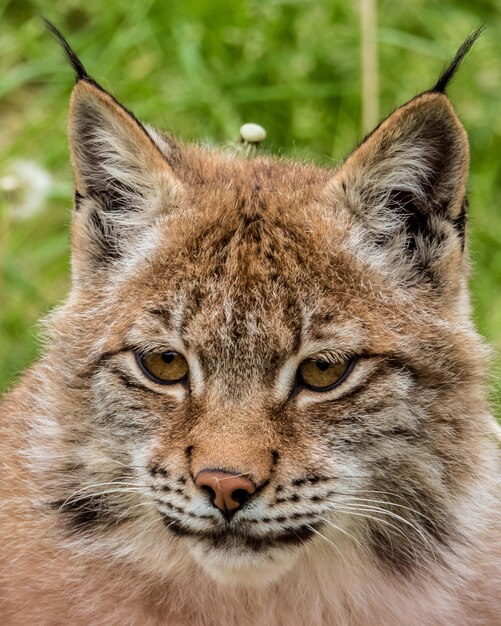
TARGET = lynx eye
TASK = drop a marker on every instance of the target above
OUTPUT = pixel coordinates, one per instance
(164, 367)
(322, 375)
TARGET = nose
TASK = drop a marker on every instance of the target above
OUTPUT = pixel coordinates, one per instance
(227, 491)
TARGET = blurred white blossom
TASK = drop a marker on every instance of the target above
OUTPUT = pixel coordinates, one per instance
(26, 186)
(252, 133)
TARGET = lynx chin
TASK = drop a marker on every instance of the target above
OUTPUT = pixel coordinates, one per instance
(263, 402)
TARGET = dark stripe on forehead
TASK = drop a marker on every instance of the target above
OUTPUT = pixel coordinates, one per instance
(164, 314)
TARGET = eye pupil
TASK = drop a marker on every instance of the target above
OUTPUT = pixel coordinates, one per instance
(323, 366)
(168, 357)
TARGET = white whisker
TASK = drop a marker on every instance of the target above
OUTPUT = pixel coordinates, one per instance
(341, 530)
(325, 539)
(401, 506)
(373, 509)
(114, 483)
(362, 513)
(97, 494)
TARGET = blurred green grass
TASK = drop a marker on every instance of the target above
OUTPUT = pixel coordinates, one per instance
(202, 68)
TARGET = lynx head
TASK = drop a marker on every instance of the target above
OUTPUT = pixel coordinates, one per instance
(258, 357)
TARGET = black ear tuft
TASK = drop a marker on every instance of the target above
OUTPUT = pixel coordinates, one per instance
(77, 65)
(405, 188)
(450, 71)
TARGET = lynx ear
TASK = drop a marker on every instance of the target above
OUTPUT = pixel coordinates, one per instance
(406, 184)
(122, 179)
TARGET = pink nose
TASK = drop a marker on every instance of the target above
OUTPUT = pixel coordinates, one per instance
(228, 491)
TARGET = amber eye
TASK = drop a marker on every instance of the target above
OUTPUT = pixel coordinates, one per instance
(164, 367)
(323, 375)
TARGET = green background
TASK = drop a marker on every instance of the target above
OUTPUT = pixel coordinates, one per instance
(201, 68)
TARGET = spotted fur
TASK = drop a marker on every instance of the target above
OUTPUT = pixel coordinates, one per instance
(375, 501)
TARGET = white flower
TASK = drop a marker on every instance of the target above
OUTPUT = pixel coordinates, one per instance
(252, 133)
(26, 186)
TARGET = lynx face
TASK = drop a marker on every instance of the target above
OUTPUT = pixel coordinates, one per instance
(258, 357)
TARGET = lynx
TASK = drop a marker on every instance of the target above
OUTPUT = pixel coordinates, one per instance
(263, 401)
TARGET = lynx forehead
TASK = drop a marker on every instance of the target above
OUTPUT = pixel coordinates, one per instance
(263, 401)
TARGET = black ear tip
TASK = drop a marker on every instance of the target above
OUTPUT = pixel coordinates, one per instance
(77, 65)
(450, 71)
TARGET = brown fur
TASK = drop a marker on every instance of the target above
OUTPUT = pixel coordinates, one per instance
(376, 501)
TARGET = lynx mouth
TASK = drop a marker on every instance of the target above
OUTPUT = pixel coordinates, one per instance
(234, 556)
(228, 537)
